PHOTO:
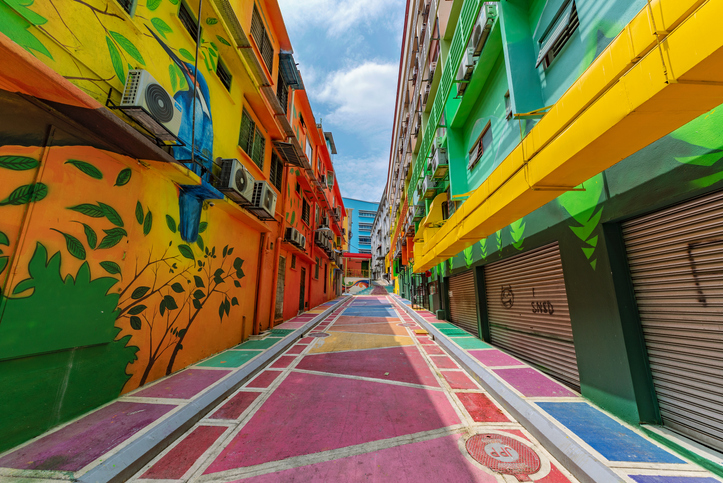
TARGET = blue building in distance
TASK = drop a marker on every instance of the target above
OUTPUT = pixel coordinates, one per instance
(361, 216)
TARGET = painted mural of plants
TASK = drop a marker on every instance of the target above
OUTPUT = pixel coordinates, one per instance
(483, 248)
(468, 258)
(16, 19)
(517, 230)
(586, 209)
(702, 137)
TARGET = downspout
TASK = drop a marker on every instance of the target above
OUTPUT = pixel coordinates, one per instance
(261, 260)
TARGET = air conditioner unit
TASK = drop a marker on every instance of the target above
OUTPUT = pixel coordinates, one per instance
(482, 28)
(330, 179)
(429, 187)
(419, 187)
(466, 69)
(292, 235)
(151, 106)
(264, 200)
(236, 181)
(439, 163)
(337, 212)
(419, 212)
(302, 242)
(322, 178)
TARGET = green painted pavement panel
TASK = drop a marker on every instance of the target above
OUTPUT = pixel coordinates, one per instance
(454, 332)
(259, 344)
(282, 332)
(230, 359)
(444, 325)
(471, 343)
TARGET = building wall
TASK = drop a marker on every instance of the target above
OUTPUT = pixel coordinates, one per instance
(357, 218)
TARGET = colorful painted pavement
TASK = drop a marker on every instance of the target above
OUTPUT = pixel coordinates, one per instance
(74, 449)
(359, 399)
(626, 450)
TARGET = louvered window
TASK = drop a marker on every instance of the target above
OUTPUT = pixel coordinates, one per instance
(223, 74)
(557, 34)
(251, 140)
(127, 5)
(188, 20)
(482, 144)
(258, 32)
(277, 171)
(305, 211)
(282, 92)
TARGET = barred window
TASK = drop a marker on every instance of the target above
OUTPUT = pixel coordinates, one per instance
(251, 140)
(223, 74)
(258, 31)
(305, 211)
(277, 171)
(483, 142)
(188, 20)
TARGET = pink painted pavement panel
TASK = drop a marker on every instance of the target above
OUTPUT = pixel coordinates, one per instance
(433, 349)
(180, 459)
(444, 362)
(283, 362)
(459, 380)
(306, 340)
(494, 357)
(81, 442)
(533, 384)
(427, 342)
(309, 413)
(235, 406)
(183, 385)
(297, 349)
(438, 460)
(264, 379)
(403, 364)
(290, 325)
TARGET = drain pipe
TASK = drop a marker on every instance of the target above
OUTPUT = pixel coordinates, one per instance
(261, 260)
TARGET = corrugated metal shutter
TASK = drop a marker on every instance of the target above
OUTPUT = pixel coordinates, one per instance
(676, 263)
(463, 303)
(528, 313)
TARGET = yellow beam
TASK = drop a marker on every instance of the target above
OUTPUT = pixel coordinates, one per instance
(629, 97)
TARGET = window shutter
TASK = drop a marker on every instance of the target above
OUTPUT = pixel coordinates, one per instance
(267, 52)
(245, 139)
(257, 28)
(259, 148)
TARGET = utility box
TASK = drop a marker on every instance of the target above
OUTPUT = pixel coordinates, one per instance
(441, 315)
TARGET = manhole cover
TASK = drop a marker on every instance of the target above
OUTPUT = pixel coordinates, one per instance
(504, 455)
(317, 334)
(407, 325)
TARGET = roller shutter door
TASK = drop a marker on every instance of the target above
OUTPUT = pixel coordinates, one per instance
(463, 303)
(528, 313)
(676, 264)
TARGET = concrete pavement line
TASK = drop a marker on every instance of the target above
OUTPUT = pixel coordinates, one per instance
(125, 463)
(369, 379)
(578, 461)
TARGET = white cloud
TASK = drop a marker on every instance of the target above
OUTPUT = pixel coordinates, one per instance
(362, 178)
(335, 16)
(361, 100)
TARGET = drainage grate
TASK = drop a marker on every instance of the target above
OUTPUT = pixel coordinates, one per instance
(317, 334)
(504, 455)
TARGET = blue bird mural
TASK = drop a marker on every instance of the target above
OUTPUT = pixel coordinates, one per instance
(191, 198)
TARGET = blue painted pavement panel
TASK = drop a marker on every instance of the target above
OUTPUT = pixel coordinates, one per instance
(672, 479)
(365, 312)
(610, 438)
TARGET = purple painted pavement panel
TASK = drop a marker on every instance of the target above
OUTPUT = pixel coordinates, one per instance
(291, 325)
(309, 413)
(533, 384)
(183, 385)
(493, 357)
(438, 460)
(78, 444)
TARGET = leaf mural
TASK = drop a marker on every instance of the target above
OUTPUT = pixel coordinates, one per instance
(199, 242)
(111, 267)
(468, 259)
(517, 230)
(128, 46)
(171, 223)
(483, 248)
(223, 40)
(123, 177)
(3, 263)
(26, 194)
(202, 227)
(16, 27)
(4, 240)
(211, 21)
(90, 235)
(499, 240)
(86, 168)
(172, 74)
(147, 223)
(115, 59)
(161, 27)
(110, 213)
(74, 246)
(186, 251)
(186, 54)
(18, 163)
(139, 213)
(153, 4)
(139, 292)
(112, 237)
(88, 209)
(136, 323)
(586, 210)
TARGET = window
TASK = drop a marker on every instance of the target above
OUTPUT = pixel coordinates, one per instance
(258, 32)
(325, 270)
(309, 150)
(365, 226)
(298, 186)
(557, 34)
(364, 251)
(305, 211)
(293, 261)
(482, 144)
(277, 171)
(127, 5)
(223, 74)
(251, 140)
(508, 106)
(282, 92)
(365, 240)
(188, 20)
(316, 268)
(367, 214)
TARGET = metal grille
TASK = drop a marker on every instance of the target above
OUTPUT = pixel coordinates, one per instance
(463, 302)
(277, 171)
(224, 75)
(259, 148)
(258, 32)
(188, 21)
(528, 313)
(246, 133)
(676, 264)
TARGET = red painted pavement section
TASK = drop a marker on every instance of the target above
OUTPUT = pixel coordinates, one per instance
(435, 461)
(236, 405)
(79, 443)
(297, 349)
(264, 379)
(444, 362)
(180, 459)
(183, 385)
(283, 362)
(459, 380)
(481, 408)
(403, 364)
(309, 413)
(495, 358)
(433, 350)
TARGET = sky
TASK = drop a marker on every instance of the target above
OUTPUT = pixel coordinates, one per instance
(348, 55)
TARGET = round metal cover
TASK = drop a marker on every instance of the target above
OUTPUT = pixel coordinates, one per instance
(317, 334)
(407, 325)
(159, 103)
(504, 455)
